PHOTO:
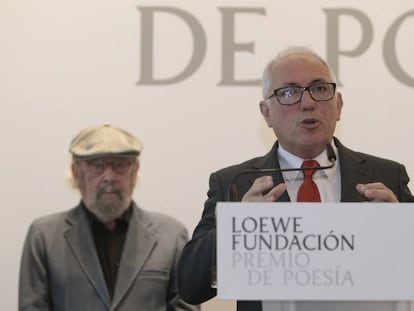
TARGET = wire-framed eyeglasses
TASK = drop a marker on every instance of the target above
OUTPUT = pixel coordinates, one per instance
(290, 95)
(119, 164)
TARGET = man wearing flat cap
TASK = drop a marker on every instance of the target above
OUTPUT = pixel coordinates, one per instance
(106, 253)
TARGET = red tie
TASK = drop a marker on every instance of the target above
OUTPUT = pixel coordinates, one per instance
(308, 191)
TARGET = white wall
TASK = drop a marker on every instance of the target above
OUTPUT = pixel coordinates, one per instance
(68, 64)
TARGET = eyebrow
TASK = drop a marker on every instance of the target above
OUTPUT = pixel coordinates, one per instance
(312, 82)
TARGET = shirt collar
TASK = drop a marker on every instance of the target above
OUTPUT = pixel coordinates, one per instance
(289, 160)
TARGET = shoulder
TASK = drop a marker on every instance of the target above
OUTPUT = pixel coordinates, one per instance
(46, 230)
(246, 165)
(364, 158)
(162, 219)
(268, 160)
(158, 221)
(54, 223)
(50, 219)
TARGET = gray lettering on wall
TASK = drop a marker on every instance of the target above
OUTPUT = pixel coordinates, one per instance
(152, 14)
(333, 36)
(390, 53)
(147, 45)
(229, 46)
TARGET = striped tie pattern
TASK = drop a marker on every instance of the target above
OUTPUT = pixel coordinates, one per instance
(308, 191)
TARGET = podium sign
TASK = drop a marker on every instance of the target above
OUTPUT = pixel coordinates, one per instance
(314, 251)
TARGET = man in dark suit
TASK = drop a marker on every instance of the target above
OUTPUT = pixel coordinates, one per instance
(302, 106)
(106, 253)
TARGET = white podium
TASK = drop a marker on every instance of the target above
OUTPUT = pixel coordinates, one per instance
(313, 256)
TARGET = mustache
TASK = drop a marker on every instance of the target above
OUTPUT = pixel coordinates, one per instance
(109, 188)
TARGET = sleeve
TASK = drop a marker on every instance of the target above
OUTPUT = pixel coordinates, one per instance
(33, 280)
(404, 194)
(175, 302)
(195, 264)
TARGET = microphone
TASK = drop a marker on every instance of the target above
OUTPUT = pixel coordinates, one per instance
(232, 191)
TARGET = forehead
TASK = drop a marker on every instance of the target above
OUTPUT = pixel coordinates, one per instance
(107, 158)
(299, 69)
(112, 158)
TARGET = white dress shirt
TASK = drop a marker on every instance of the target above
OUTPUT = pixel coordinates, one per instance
(327, 180)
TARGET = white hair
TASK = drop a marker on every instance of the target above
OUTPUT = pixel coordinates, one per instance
(293, 50)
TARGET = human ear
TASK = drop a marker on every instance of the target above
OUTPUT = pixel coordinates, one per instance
(339, 105)
(264, 109)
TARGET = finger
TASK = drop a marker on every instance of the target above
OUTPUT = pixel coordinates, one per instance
(383, 195)
(260, 185)
(375, 185)
(275, 193)
(376, 192)
(361, 188)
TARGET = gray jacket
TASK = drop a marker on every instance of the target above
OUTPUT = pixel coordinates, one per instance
(60, 268)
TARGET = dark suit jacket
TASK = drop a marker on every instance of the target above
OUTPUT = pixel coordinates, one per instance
(194, 267)
(60, 268)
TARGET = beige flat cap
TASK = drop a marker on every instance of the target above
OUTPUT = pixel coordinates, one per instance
(104, 140)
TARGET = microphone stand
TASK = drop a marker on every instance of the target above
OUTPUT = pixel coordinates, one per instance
(231, 191)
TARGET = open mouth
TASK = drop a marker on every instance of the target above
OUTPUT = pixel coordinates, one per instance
(309, 121)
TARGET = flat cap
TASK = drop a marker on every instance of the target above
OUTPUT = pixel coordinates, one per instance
(104, 140)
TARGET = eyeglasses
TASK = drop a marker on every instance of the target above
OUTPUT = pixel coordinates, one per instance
(119, 165)
(290, 95)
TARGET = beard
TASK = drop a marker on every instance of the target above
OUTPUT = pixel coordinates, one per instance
(109, 204)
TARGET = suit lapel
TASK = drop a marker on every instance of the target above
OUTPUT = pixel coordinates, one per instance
(269, 161)
(139, 243)
(353, 171)
(79, 238)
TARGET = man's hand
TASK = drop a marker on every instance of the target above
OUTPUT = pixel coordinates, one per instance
(260, 185)
(376, 192)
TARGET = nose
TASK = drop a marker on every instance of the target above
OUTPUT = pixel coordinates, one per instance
(109, 173)
(307, 102)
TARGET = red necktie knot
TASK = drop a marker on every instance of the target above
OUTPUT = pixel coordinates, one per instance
(307, 164)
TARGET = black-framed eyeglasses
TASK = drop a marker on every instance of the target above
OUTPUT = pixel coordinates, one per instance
(119, 164)
(290, 95)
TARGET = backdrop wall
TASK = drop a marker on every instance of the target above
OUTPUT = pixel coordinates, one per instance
(184, 77)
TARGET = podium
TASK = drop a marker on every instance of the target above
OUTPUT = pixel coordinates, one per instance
(313, 256)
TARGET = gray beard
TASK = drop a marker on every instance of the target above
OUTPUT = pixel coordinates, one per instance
(109, 209)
